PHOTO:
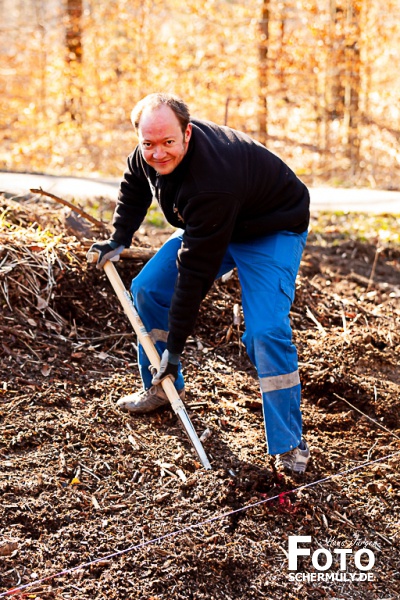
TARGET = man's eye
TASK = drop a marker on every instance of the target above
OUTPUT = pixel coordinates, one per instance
(170, 142)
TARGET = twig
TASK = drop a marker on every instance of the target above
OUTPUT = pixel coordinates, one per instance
(75, 208)
(367, 416)
(371, 277)
(105, 337)
(318, 324)
(236, 321)
(370, 450)
(4, 289)
(345, 330)
(86, 470)
(14, 331)
(31, 349)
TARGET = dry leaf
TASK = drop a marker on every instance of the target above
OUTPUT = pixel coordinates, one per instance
(8, 548)
(41, 303)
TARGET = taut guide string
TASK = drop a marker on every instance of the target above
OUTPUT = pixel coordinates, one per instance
(16, 590)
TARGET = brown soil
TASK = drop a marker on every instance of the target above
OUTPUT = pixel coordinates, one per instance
(81, 480)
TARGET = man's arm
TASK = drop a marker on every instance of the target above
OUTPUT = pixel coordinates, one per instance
(209, 220)
(134, 199)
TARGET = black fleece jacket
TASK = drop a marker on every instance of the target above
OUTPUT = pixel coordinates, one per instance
(227, 188)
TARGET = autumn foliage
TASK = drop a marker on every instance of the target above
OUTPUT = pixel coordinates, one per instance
(316, 80)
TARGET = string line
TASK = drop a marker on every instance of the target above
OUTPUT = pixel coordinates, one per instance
(171, 534)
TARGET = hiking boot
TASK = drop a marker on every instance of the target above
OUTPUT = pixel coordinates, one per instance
(295, 460)
(146, 400)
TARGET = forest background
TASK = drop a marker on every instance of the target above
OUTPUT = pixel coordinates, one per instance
(316, 80)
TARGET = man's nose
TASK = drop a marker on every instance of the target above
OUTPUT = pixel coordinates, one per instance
(159, 152)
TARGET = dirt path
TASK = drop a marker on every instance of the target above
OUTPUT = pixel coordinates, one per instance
(322, 198)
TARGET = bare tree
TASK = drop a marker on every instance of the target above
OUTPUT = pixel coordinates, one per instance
(263, 73)
(352, 83)
(73, 43)
(73, 32)
(344, 78)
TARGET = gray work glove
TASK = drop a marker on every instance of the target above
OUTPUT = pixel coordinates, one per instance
(106, 250)
(168, 367)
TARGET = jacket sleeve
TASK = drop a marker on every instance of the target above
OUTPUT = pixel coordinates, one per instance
(134, 199)
(209, 223)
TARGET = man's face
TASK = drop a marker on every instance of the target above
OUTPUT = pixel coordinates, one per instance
(161, 139)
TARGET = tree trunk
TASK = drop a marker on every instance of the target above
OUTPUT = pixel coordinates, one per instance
(337, 62)
(352, 84)
(263, 73)
(73, 33)
(73, 44)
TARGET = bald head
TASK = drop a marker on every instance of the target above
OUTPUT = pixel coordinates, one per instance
(157, 100)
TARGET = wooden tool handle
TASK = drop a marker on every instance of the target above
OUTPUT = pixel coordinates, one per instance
(133, 253)
(140, 330)
(176, 403)
(132, 314)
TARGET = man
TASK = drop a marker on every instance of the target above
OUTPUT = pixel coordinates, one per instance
(235, 204)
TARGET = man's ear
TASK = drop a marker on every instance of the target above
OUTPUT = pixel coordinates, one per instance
(188, 132)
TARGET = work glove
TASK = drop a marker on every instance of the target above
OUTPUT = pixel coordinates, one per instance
(106, 250)
(168, 367)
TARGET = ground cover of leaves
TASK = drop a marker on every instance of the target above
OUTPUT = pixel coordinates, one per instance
(81, 481)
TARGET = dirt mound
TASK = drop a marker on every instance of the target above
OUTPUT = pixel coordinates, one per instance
(82, 481)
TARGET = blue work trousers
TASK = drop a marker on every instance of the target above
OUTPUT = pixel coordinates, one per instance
(267, 268)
